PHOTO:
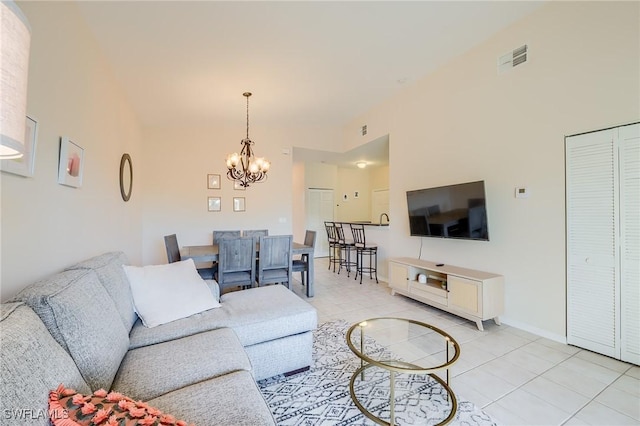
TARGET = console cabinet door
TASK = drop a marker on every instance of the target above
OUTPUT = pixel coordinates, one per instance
(398, 276)
(465, 295)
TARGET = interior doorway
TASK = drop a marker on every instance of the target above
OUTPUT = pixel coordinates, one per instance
(320, 208)
(379, 204)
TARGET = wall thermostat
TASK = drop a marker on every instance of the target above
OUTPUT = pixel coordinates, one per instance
(522, 192)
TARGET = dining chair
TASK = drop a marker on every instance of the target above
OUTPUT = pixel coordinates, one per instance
(477, 222)
(236, 262)
(346, 246)
(275, 265)
(173, 255)
(218, 235)
(255, 232)
(334, 246)
(362, 249)
(302, 265)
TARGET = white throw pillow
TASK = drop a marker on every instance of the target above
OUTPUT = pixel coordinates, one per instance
(165, 293)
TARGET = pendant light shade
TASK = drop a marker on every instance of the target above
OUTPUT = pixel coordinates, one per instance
(15, 38)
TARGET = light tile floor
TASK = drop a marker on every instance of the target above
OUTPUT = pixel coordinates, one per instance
(515, 376)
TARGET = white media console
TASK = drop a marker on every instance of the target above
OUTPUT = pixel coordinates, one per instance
(470, 294)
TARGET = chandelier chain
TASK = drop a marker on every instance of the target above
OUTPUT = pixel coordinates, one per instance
(247, 95)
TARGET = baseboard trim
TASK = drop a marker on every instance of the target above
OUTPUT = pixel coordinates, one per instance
(534, 330)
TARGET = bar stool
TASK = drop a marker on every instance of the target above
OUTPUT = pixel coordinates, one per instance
(345, 247)
(334, 245)
(362, 249)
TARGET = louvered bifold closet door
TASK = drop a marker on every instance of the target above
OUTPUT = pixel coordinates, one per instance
(592, 281)
(630, 243)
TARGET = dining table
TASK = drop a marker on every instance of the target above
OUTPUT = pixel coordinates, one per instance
(209, 253)
(448, 219)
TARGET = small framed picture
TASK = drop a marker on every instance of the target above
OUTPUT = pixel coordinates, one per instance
(238, 204)
(213, 181)
(71, 164)
(237, 185)
(214, 204)
(24, 165)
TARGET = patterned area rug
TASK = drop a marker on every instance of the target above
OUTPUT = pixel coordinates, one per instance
(321, 396)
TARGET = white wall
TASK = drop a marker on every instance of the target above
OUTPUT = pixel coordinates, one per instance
(47, 226)
(465, 122)
(177, 161)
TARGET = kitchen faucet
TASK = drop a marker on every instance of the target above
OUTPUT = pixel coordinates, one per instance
(384, 214)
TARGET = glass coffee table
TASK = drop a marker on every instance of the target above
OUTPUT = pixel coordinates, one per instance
(396, 356)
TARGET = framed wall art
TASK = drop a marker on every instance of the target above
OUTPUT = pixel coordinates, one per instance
(213, 181)
(237, 185)
(214, 204)
(24, 165)
(71, 164)
(238, 204)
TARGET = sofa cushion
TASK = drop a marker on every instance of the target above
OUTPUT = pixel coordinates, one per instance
(165, 293)
(108, 267)
(152, 371)
(256, 315)
(232, 399)
(31, 364)
(66, 406)
(78, 312)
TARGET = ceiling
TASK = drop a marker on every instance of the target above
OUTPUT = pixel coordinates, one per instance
(309, 63)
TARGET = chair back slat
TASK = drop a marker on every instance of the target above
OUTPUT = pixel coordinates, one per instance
(359, 238)
(218, 235)
(173, 250)
(339, 230)
(331, 232)
(255, 232)
(275, 264)
(310, 238)
(236, 254)
(275, 251)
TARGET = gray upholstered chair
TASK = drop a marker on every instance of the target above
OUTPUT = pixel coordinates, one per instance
(173, 255)
(218, 235)
(477, 222)
(236, 263)
(302, 265)
(275, 265)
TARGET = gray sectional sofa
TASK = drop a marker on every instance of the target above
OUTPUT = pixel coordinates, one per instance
(79, 328)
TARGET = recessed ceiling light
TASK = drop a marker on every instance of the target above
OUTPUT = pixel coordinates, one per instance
(361, 164)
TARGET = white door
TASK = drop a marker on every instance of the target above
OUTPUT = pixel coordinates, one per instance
(319, 208)
(603, 242)
(629, 243)
(379, 204)
(592, 276)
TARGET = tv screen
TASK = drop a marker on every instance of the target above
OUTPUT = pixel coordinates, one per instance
(453, 211)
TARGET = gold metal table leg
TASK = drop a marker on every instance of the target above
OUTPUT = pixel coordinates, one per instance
(392, 397)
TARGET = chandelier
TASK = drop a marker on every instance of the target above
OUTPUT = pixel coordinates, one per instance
(246, 168)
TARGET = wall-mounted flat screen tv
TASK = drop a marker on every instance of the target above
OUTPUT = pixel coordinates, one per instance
(452, 211)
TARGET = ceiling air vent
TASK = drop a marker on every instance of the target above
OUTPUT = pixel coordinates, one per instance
(363, 130)
(512, 59)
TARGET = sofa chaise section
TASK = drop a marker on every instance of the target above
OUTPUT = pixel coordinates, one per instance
(273, 324)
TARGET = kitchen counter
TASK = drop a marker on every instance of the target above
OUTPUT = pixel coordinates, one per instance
(379, 235)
